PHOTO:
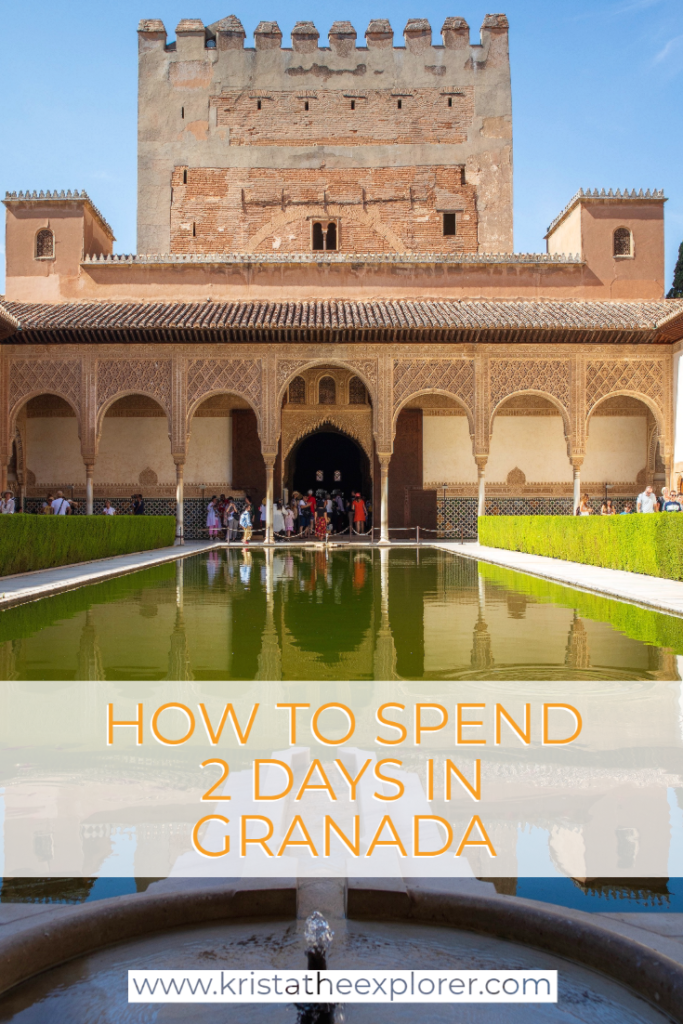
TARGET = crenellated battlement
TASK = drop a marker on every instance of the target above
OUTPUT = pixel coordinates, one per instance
(229, 34)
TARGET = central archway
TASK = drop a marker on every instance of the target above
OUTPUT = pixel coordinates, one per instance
(332, 453)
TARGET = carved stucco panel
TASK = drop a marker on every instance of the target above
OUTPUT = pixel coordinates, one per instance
(142, 376)
(454, 376)
(240, 376)
(645, 376)
(50, 376)
(508, 376)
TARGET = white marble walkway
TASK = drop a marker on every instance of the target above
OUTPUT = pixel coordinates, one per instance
(636, 588)
(29, 586)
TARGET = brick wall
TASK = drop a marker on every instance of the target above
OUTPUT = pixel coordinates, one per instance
(377, 209)
(345, 117)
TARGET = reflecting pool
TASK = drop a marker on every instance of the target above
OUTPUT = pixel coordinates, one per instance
(338, 613)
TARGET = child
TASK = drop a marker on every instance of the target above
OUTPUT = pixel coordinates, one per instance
(245, 523)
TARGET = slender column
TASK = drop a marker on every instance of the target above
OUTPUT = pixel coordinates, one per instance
(269, 500)
(179, 503)
(576, 467)
(3, 476)
(384, 499)
(89, 470)
(481, 501)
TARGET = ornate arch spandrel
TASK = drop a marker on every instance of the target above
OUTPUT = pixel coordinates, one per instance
(551, 377)
(241, 377)
(443, 394)
(29, 378)
(119, 377)
(453, 378)
(645, 379)
(358, 427)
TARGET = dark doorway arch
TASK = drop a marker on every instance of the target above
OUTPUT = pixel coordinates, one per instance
(329, 451)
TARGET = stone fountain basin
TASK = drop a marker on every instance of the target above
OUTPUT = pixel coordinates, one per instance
(72, 967)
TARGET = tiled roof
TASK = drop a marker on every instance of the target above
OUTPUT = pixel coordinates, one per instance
(208, 321)
(8, 323)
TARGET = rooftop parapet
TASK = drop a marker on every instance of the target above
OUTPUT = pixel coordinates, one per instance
(656, 195)
(268, 36)
(524, 258)
(342, 38)
(305, 37)
(61, 197)
(228, 32)
(192, 36)
(418, 35)
(379, 34)
(455, 33)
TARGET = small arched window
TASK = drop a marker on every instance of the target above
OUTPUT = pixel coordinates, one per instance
(297, 391)
(327, 391)
(623, 242)
(45, 244)
(331, 238)
(357, 393)
(318, 240)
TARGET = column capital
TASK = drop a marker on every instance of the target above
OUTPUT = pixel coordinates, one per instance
(384, 458)
(179, 458)
(576, 461)
(481, 461)
(269, 458)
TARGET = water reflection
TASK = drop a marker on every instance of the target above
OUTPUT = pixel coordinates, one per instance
(334, 614)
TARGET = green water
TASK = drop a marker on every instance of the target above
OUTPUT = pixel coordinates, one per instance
(345, 613)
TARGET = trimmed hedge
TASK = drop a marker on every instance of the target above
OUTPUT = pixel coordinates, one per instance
(44, 542)
(650, 544)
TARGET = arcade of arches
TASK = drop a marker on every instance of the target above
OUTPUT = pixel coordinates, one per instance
(431, 442)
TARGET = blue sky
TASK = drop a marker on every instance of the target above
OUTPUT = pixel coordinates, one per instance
(596, 88)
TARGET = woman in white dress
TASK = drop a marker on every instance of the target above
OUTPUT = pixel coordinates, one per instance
(212, 520)
(278, 520)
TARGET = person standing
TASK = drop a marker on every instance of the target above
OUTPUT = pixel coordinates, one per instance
(7, 504)
(673, 504)
(584, 507)
(230, 520)
(278, 520)
(46, 508)
(321, 520)
(647, 501)
(138, 505)
(61, 506)
(212, 521)
(245, 523)
(108, 509)
(289, 522)
(359, 513)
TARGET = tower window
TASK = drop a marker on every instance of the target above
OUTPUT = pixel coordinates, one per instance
(306, 105)
(258, 104)
(450, 101)
(297, 391)
(623, 242)
(182, 112)
(327, 391)
(400, 104)
(45, 244)
(318, 241)
(194, 230)
(449, 224)
(353, 104)
(184, 177)
(324, 236)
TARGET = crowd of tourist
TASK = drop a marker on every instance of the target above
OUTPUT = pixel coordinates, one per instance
(316, 515)
(647, 501)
